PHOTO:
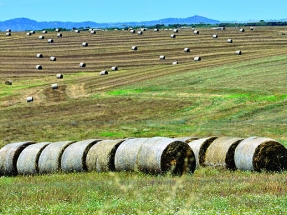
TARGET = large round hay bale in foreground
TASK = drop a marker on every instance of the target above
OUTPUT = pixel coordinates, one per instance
(199, 148)
(8, 82)
(127, 153)
(50, 158)
(101, 156)
(220, 152)
(74, 156)
(166, 155)
(9, 155)
(27, 163)
(260, 153)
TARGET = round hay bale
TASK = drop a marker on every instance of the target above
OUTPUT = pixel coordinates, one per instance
(27, 163)
(82, 64)
(215, 36)
(8, 82)
(74, 156)
(186, 139)
(44, 32)
(114, 68)
(140, 32)
(199, 148)
(238, 52)
(241, 30)
(53, 58)
(32, 32)
(229, 40)
(186, 50)
(175, 30)
(8, 34)
(132, 31)
(28, 34)
(50, 40)
(134, 48)
(41, 37)
(260, 153)
(93, 32)
(172, 36)
(220, 152)
(8, 30)
(101, 156)
(174, 63)
(39, 67)
(77, 31)
(85, 44)
(54, 86)
(50, 158)
(197, 59)
(9, 155)
(57, 30)
(196, 32)
(29, 99)
(166, 155)
(251, 28)
(59, 76)
(104, 72)
(127, 153)
(59, 35)
(155, 30)
(39, 55)
(162, 57)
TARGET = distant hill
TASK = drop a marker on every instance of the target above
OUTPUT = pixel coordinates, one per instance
(22, 24)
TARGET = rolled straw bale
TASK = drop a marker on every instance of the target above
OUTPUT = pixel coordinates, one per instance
(238, 52)
(27, 163)
(186, 139)
(140, 32)
(8, 30)
(32, 32)
(260, 153)
(104, 72)
(57, 30)
(85, 44)
(174, 63)
(53, 58)
(74, 156)
(8, 34)
(54, 86)
(44, 32)
(155, 30)
(132, 31)
(77, 31)
(197, 59)
(172, 36)
(39, 55)
(59, 35)
(50, 40)
(241, 30)
(93, 32)
(50, 158)
(220, 152)
(28, 34)
(162, 57)
(134, 48)
(8, 82)
(196, 32)
(101, 156)
(251, 28)
(41, 37)
(114, 68)
(39, 67)
(30, 99)
(127, 153)
(199, 148)
(186, 50)
(82, 64)
(229, 40)
(59, 76)
(9, 155)
(161, 155)
(215, 36)
(175, 30)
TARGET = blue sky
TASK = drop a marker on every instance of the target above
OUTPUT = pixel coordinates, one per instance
(141, 10)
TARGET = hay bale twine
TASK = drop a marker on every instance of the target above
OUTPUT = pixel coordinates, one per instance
(27, 163)
(114, 68)
(8, 34)
(28, 34)
(59, 76)
(187, 139)
(238, 52)
(197, 58)
(172, 36)
(186, 50)
(85, 44)
(196, 32)
(199, 148)
(39, 55)
(215, 36)
(39, 67)
(74, 156)
(54, 86)
(50, 158)
(162, 57)
(30, 99)
(127, 153)
(82, 64)
(44, 32)
(241, 30)
(166, 155)
(101, 156)
(174, 63)
(93, 32)
(59, 35)
(53, 58)
(229, 40)
(77, 31)
(104, 72)
(41, 37)
(50, 40)
(134, 48)
(175, 30)
(220, 152)
(8, 82)
(156, 30)
(260, 153)
(132, 31)
(9, 155)
(140, 32)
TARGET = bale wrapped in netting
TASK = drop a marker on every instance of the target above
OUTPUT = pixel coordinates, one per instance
(186, 50)
(39, 67)
(9, 155)
(93, 32)
(172, 36)
(175, 63)
(82, 64)
(260, 153)
(127, 153)
(134, 48)
(54, 86)
(114, 68)
(59, 76)
(28, 34)
(132, 31)
(74, 156)
(104, 72)
(162, 57)
(27, 163)
(199, 148)
(161, 155)
(30, 99)
(50, 158)
(8, 34)
(186, 139)
(238, 52)
(8, 82)
(39, 55)
(229, 40)
(44, 32)
(175, 30)
(53, 58)
(197, 58)
(41, 37)
(59, 35)
(101, 156)
(220, 152)
(50, 40)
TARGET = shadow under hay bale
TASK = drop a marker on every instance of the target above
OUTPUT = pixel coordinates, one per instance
(220, 152)
(166, 155)
(9, 155)
(199, 148)
(260, 153)
(101, 156)
(27, 163)
(50, 158)
(74, 156)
